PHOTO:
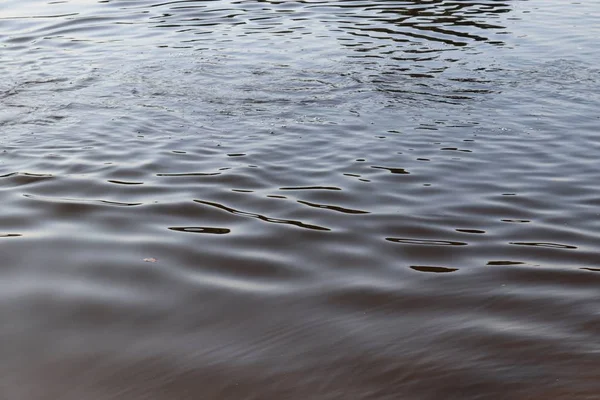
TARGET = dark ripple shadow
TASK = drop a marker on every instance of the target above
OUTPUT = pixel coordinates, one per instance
(505, 262)
(124, 182)
(201, 229)
(191, 174)
(310, 188)
(432, 269)
(80, 202)
(262, 217)
(23, 178)
(425, 242)
(474, 231)
(545, 244)
(343, 210)
(400, 171)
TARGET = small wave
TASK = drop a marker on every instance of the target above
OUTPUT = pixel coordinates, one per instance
(425, 242)
(436, 270)
(201, 229)
(263, 218)
(545, 244)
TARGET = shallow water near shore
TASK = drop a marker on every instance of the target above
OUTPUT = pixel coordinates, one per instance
(299, 200)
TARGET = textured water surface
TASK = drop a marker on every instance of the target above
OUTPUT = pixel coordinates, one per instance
(299, 199)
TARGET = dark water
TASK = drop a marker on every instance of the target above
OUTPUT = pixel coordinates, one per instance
(299, 199)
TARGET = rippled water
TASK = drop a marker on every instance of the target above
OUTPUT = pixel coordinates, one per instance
(299, 199)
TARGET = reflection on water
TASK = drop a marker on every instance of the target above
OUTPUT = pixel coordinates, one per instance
(299, 199)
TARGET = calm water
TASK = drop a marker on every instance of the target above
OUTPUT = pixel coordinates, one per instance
(299, 199)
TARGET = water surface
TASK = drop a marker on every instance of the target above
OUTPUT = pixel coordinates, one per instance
(299, 199)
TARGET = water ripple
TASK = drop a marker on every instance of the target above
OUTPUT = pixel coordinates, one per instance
(200, 229)
(333, 208)
(448, 148)
(262, 217)
(437, 270)
(426, 242)
(543, 244)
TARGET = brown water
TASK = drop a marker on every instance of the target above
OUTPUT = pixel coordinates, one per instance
(299, 200)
